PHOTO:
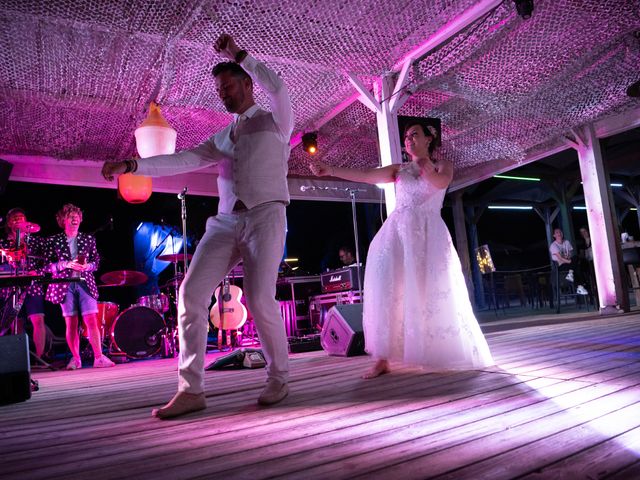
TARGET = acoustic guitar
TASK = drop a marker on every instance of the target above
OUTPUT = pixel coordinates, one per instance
(228, 313)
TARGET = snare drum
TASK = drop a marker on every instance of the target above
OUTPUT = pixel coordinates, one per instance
(160, 302)
(138, 331)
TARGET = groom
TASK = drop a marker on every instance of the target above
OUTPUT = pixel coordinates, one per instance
(252, 155)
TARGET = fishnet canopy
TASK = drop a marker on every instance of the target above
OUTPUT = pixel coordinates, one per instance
(76, 77)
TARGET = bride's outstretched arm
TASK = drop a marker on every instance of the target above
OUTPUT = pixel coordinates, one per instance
(366, 175)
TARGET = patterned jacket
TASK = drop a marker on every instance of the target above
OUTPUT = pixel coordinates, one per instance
(36, 263)
(57, 251)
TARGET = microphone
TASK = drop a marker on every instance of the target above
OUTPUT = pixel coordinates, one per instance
(182, 194)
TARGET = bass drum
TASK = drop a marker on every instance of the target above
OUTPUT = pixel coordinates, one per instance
(138, 331)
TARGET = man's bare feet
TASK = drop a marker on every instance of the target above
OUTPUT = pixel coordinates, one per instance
(380, 368)
(180, 404)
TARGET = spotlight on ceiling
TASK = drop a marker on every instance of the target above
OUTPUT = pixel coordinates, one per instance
(310, 142)
(524, 8)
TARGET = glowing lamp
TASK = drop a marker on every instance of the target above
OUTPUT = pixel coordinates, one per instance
(153, 137)
(310, 142)
(134, 188)
(485, 262)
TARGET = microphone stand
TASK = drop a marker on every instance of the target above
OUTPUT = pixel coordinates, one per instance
(170, 332)
(352, 194)
(183, 199)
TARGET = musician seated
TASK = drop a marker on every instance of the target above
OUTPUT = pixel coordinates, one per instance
(19, 236)
(346, 256)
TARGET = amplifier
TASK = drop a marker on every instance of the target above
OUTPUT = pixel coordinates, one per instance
(340, 280)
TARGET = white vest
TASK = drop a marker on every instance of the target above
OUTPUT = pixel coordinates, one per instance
(258, 171)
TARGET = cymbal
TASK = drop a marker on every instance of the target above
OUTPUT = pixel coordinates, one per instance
(124, 278)
(28, 227)
(174, 257)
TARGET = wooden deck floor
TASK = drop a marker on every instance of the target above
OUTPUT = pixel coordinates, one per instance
(563, 402)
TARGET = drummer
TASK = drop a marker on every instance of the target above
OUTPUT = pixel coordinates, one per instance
(19, 237)
(74, 255)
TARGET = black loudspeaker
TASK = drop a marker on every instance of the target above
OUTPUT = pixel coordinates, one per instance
(5, 173)
(342, 332)
(15, 376)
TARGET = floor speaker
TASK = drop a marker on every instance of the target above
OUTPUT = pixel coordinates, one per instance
(342, 332)
(15, 377)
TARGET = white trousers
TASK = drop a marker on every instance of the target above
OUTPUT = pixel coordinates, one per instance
(257, 238)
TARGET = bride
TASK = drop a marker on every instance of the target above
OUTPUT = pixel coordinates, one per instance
(416, 304)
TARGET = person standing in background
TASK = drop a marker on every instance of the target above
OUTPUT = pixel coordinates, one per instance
(73, 255)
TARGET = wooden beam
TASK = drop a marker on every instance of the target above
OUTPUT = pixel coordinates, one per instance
(605, 127)
(399, 97)
(388, 136)
(462, 244)
(466, 18)
(481, 172)
(365, 95)
(607, 253)
(85, 173)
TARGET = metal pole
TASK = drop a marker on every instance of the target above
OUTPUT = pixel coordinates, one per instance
(183, 198)
(352, 194)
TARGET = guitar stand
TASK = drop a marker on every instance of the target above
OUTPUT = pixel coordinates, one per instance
(169, 348)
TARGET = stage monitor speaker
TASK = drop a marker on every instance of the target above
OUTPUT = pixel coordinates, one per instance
(342, 333)
(5, 173)
(15, 376)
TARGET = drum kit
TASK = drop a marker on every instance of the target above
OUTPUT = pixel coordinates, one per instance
(19, 257)
(142, 330)
(149, 326)
(17, 272)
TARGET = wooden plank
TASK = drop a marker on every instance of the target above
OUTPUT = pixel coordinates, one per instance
(566, 404)
(599, 461)
(371, 435)
(445, 458)
(233, 424)
(572, 441)
(403, 452)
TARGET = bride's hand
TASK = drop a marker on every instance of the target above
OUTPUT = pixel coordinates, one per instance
(320, 169)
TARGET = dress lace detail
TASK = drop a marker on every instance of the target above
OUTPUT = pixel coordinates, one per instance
(417, 307)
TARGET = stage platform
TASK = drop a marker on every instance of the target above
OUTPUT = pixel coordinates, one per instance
(562, 402)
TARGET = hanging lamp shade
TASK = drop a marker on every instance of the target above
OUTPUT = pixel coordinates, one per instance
(153, 137)
(134, 188)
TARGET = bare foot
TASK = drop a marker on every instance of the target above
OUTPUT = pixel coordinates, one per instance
(181, 403)
(380, 368)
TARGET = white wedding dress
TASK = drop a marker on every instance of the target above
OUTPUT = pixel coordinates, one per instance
(416, 305)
